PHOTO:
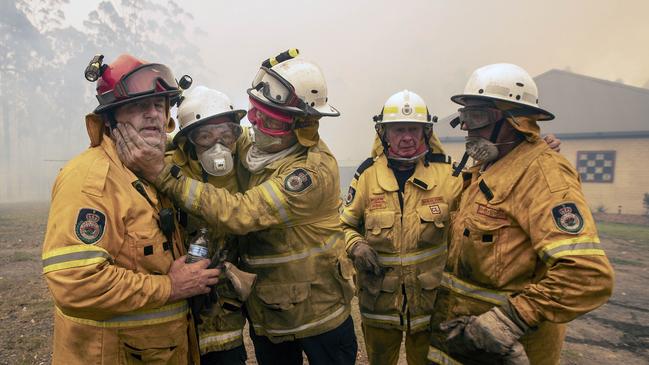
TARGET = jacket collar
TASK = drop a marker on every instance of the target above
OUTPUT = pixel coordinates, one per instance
(421, 178)
(108, 146)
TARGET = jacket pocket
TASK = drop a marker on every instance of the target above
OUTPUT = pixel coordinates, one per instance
(379, 230)
(389, 298)
(284, 305)
(152, 252)
(480, 254)
(283, 297)
(160, 344)
(433, 220)
(345, 276)
(428, 287)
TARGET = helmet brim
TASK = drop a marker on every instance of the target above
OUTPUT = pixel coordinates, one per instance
(321, 111)
(518, 107)
(237, 114)
(107, 107)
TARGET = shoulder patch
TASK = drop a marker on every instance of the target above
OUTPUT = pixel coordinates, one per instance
(568, 218)
(90, 225)
(297, 181)
(363, 166)
(351, 193)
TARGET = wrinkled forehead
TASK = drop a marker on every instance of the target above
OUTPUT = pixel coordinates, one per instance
(403, 126)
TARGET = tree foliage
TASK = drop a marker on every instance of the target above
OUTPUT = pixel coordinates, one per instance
(43, 94)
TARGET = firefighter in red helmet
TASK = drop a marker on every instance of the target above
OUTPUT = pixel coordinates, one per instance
(112, 257)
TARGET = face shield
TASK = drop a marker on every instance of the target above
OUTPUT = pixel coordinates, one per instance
(146, 79)
(206, 136)
(275, 88)
(475, 117)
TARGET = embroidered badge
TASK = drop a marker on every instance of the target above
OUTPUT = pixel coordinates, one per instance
(433, 200)
(351, 193)
(297, 181)
(90, 225)
(491, 212)
(378, 202)
(435, 209)
(568, 218)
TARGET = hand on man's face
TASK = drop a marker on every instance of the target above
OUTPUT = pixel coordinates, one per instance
(144, 158)
(147, 116)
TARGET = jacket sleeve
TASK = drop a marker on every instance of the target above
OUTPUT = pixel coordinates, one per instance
(353, 212)
(579, 277)
(285, 200)
(84, 235)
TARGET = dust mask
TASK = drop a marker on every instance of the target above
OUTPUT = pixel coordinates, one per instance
(217, 160)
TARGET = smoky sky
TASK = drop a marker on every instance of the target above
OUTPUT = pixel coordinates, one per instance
(369, 50)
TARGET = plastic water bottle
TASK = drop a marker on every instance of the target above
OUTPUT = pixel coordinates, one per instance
(198, 247)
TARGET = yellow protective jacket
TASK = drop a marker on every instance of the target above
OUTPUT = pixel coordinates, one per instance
(523, 235)
(105, 260)
(222, 329)
(410, 242)
(290, 210)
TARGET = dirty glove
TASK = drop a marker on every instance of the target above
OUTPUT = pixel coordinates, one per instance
(365, 259)
(369, 271)
(493, 332)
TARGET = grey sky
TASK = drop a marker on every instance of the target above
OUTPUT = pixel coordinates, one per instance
(371, 49)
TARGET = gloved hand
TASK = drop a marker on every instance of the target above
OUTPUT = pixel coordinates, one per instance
(493, 332)
(365, 259)
(369, 271)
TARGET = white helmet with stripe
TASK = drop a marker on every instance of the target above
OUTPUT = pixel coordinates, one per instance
(404, 106)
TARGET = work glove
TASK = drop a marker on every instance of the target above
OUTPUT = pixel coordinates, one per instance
(369, 270)
(493, 332)
(365, 259)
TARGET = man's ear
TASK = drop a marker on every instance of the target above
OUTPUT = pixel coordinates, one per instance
(171, 125)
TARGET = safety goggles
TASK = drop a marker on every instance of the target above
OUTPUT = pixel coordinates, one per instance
(275, 88)
(208, 135)
(270, 121)
(146, 79)
(478, 117)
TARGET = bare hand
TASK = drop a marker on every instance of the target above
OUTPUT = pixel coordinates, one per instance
(553, 142)
(143, 159)
(188, 280)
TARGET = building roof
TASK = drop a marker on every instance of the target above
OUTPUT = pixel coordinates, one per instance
(588, 106)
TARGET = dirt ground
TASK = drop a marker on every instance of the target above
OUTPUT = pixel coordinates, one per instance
(616, 333)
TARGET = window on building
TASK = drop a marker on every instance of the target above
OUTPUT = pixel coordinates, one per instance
(596, 166)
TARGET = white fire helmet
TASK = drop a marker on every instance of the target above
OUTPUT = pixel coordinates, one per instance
(292, 84)
(200, 106)
(404, 106)
(504, 82)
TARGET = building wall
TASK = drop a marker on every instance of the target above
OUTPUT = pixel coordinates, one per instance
(631, 179)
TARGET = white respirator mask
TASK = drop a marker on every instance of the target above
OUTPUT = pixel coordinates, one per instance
(217, 161)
